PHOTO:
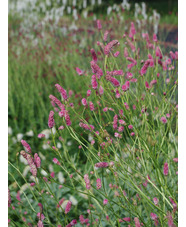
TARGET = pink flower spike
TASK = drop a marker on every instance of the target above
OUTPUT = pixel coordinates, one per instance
(73, 222)
(130, 127)
(155, 38)
(101, 90)
(137, 223)
(68, 207)
(51, 121)
(37, 160)
(79, 71)
(62, 91)
(101, 165)
(147, 85)
(98, 183)
(166, 169)
(105, 36)
(155, 200)
(94, 82)
(52, 174)
(109, 46)
(99, 25)
(91, 105)
(94, 56)
(26, 146)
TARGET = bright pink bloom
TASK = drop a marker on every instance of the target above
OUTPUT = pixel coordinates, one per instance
(68, 207)
(101, 165)
(130, 127)
(109, 46)
(105, 201)
(145, 67)
(84, 102)
(60, 202)
(132, 134)
(88, 93)
(52, 174)
(126, 219)
(120, 129)
(79, 71)
(51, 121)
(166, 169)
(57, 102)
(155, 38)
(117, 94)
(94, 56)
(40, 216)
(62, 91)
(26, 146)
(174, 204)
(147, 85)
(40, 224)
(175, 159)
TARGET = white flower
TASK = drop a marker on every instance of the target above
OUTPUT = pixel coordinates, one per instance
(73, 200)
(30, 133)
(32, 178)
(26, 169)
(61, 177)
(23, 188)
(44, 173)
(69, 143)
(41, 156)
(9, 131)
(23, 160)
(19, 136)
(53, 130)
(59, 145)
(14, 140)
(50, 167)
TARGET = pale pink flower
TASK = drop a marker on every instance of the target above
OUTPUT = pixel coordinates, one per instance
(98, 183)
(60, 202)
(137, 223)
(126, 54)
(105, 36)
(55, 160)
(101, 90)
(26, 146)
(79, 71)
(67, 119)
(61, 127)
(115, 120)
(105, 201)
(155, 38)
(41, 135)
(18, 196)
(130, 127)
(132, 30)
(116, 54)
(40, 224)
(155, 200)
(99, 25)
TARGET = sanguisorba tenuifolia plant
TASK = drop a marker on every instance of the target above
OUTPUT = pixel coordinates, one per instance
(124, 170)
